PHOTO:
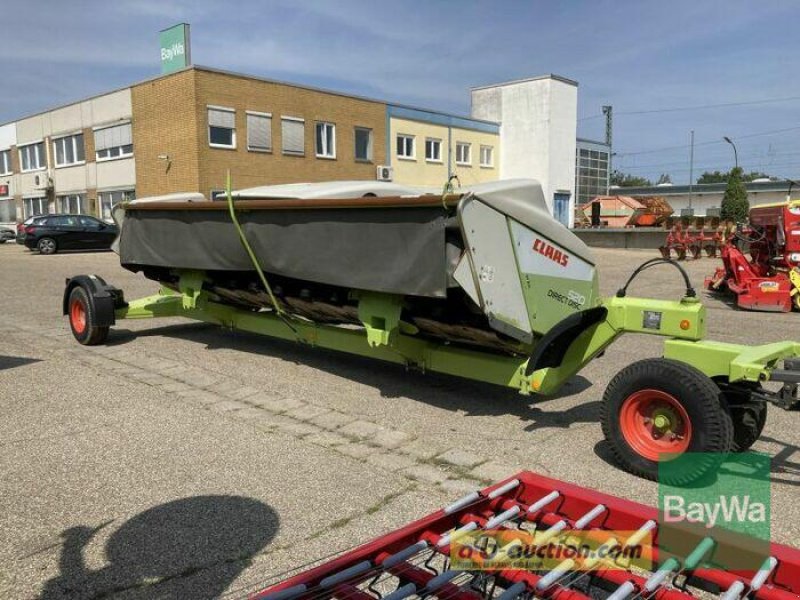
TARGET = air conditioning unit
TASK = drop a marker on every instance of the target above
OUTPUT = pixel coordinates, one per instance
(713, 211)
(43, 181)
(385, 173)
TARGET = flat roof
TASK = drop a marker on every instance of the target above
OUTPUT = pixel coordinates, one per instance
(254, 78)
(698, 188)
(526, 80)
(588, 141)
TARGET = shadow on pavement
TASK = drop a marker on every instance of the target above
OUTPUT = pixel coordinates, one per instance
(473, 398)
(783, 470)
(11, 362)
(192, 547)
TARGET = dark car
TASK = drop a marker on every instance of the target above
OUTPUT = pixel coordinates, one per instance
(52, 233)
(21, 228)
(6, 235)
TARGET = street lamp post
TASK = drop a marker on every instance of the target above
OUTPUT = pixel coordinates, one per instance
(735, 154)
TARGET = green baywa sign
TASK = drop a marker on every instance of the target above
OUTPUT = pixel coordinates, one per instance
(175, 48)
(721, 520)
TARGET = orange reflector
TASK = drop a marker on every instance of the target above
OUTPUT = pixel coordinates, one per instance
(685, 324)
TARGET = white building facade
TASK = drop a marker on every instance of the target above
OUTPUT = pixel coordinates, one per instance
(538, 125)
(73, 159)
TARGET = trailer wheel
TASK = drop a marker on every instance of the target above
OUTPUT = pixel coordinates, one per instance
(748, 416)
(81, 317)
(656, 409)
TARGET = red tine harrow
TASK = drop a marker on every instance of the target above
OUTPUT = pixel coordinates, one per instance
(414, 561)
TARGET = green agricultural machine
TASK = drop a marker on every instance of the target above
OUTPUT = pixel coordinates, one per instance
(483, 284)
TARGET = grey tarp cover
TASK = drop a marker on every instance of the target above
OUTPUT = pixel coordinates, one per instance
(393, 250)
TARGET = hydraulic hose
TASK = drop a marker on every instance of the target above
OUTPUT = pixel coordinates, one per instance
(690, 292)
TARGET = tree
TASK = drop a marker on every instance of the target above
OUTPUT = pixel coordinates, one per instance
(664, 178)
(719, 177)
(713, 177)
(624, 180)
(735, 206)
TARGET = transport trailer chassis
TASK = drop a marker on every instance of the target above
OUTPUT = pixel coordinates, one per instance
(650, 409)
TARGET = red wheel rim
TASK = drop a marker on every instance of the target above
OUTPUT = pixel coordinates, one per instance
(655, 424)
(77, 316)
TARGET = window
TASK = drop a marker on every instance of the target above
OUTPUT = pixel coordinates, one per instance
(293, 135)
(31, 157)
(326, 140)
(108, 200)
(221, 127)
(34, 206)
(463, 153)
(113, 142)
(487, 156)
(72, 204)
(433, 150)
(363, 144)
(259, 132)
(5, 162)
(91, 223)
(69, 150)
(405, 147)
(8, 211)
(591, 174)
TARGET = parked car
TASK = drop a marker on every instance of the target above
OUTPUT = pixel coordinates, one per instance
(6, 235)
(52, 233)
(21, 228)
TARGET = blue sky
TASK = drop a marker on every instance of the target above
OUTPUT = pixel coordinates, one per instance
(636, 56)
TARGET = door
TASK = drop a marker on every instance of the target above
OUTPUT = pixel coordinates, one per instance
(561, 208)
(97, 233)
(595, 214)
(63, 229)
(93, 233)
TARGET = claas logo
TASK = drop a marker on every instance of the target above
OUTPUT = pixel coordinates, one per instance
(548, 251)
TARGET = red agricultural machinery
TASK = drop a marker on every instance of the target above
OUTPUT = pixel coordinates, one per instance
(769, 280)
(417, 561)
(685, 242)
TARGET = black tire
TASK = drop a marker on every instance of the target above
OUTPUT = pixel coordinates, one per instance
(749, 416)
(698, 395)
(47, 245)
(86, 334)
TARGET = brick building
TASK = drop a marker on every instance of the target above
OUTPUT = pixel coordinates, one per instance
(181, 132)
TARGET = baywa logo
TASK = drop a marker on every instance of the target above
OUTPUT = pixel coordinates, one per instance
(725, 513)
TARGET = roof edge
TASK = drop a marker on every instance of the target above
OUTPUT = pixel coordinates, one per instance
(560, 78)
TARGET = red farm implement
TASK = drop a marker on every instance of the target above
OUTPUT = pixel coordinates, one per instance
(415, 561)
(769, 280)
(684, 241)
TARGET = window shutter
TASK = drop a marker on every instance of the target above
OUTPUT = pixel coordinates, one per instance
(221, 118)
(111, 137)
(125, 137)
(259, 132)
(293, 133)
(101, 139)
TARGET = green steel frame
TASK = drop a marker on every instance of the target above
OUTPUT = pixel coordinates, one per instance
(385, 337)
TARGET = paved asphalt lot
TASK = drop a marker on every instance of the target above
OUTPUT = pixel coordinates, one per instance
(183, 460)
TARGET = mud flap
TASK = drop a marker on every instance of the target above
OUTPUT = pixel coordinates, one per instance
(105, 298)
(550, 350)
